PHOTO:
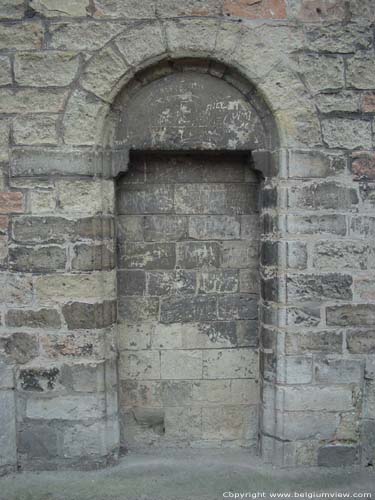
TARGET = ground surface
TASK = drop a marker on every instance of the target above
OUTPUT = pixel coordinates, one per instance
(186, 475)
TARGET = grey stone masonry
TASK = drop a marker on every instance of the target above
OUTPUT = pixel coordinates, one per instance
(187, 330)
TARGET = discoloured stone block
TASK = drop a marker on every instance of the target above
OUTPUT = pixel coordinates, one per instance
(226, 281)
(41, 318)
(79, 315)
(142, 365)
(165, 228)
(171, 283)
(351, 315)
(218, 227)
(145, 199)
(136, 309)
(318, 286)
(192, 255)
(181, 364)
(233, 363)
(131, 282)
(337, 455)
(148, 255)
(92, 258)
(329, 342)
(237, 307)
(20, 347)
(41, 259)
(200, 308)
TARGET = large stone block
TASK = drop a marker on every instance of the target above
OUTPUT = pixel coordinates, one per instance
(338, 455)
(38, 440)
(253, 9)
(134, 336)
(39, 379)
(181, 364)
(35, 130)
(5, 68)
(337, 38)
(230, 199)
(219, 281)
(240, 254)
(338, 371)
(315, 398)
(185, 309)
(77, 345)
(136, 309)
(174, 8)
(37, 259)
(351, 315)
(147, 255)
(145, 199)
(43, 69)
(70, 287)
(85, 35)
(361, 341)
(341, 255)
(79, 315)
(39, 318)
(237, 307)
(329, 342)
(317, 224)
(347, 133)
(191, 255)
(20, 347)
(361, 71)
(310, 164)
(15, 289)
(70, 407)
(140, 42)
(308, 425)
(322, 72)
(131, 282)
(12, 202)
(131, 9)
(171, 283)
(52, 8)
(214, 227)
(327, 195)
(319, 286)
(85, 197)
(231, 392)
(230, 363)
(141, 365)
(12, 9)
(228, 422)
(92, 257)
(21, 36)
(8, 439)
(165, 228)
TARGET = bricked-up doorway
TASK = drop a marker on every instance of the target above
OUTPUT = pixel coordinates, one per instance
(188, 244)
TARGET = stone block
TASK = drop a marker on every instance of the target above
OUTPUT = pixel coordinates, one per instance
(134, 255)
(237, 307)
(230, 363)
(322, 72)
(6, 375)
(327, 195)
(92, 258)
(146, 393)
(240, 254)
(134, 336)
(43, 69)
(136, 309)
(361, 71)
(351, 315)
(225, 422)
(187, 37)
(191, 255)
(231, 392)
(12, 9)
(216, 199)
(21, 36)
(337, 38)
(347, 133)
(171, 283)
(329, 342)
(70, 287)
(131, 282)
(214, 227)
(313, 398)
(317, 224)
(254, 9)
(297, 255)
(187, 309)
(39, 318)
(249, 281)
(5, 69)
(30, 100)
(85, 35)
(129, 228)
(183, 423)
(15, 289)
(345, 101)
(52, 8)
(131, 9)
(338, 455)
(363, 165)
(295, 370)
(39, 379)
(219, 281)
(136, 199)
(12, 202)
(70, 407)
(309, 425)
(103, 72)
(141, 365)
(42, 229)
(250, 227)
(341, 255)
(37, 259)
(141, 42)
(174, 8)
(20, 347)
(306, 316)
(310, 164)
(319, 286)
(181, 364)
(33, 130)
(338, 371)
(92, 441)
(165, 228)
(361, 341)
(8, 439)
(85, 377)
(38, 440)
(85, 197)
(368, 102)
(79, 315)
(76, 345)
(369, 445)
(177, 392)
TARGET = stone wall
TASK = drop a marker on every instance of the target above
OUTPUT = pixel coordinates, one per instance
(61, 70)
(188, 231)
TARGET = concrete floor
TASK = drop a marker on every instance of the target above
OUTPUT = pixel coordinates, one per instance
(184, 475)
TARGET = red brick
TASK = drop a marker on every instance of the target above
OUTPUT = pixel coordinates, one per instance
(368, 102)
(3, 223)
(256, 9)
(320, 10)
(11, 202)
(363, 165)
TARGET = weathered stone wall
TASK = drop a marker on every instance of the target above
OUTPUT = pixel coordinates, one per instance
(62, 64)
(188, 230)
